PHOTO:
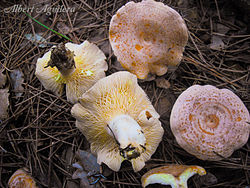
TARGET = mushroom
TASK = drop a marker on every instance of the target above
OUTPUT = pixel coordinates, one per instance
(21, 179)
(209, 123)
(174, 175)
(77, 66)
(119, 121)
(147, 37)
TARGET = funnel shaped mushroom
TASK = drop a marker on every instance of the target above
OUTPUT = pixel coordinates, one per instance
(21, 179)
(147, 37)
(174, 175)
(77, 66)
(209, 123)
(119, 121)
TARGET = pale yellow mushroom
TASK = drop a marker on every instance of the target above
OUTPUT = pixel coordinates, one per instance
(147, 37)
(21, 179)
(119, 121)
(210, 123)
(77, 66)
(174, 175)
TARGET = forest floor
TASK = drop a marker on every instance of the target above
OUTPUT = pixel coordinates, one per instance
(40, 133)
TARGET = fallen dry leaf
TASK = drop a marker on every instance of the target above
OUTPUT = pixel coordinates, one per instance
(17, 79)
(208, 179)
(162, 83)
(2, 79)
(63, 28)
(4, 103)
(217, 43)
(71, 184)
(86, 166)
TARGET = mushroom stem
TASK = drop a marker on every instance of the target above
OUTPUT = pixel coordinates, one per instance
(63, 59)
(129, 136)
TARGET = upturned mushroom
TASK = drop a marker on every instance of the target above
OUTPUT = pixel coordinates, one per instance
(174, 175)
(119, 121)
(21, 179)
(210, 123)
(147, 37)
(77, 66)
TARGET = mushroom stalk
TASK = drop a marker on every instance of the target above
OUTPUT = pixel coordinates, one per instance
(129, 136)
(63, 59)
(67, 72)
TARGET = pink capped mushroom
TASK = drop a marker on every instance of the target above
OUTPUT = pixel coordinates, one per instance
(147, 37)
(210, 123)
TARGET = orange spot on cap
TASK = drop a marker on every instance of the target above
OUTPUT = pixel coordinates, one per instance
(190, 117)
(138, 47)
(238, 119)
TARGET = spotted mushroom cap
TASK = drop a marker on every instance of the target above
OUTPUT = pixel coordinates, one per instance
(210, 123)
(147, 37)
(173, 175)
(110, 97)
(21, 179)
(89, 67)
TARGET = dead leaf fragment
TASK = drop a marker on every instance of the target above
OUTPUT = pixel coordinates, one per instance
(86, 166)
(36, 39)
(17, 80)
(217, 43)
(4, 103)
(88, 161)
(208, 179)
(162, 83)
(71, 184)
(63, 28)
(222, 29)
(2, 79)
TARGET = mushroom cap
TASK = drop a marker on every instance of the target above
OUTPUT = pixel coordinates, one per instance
(147, 37)
(21, 179)
(89, 67)
(110, 97)
(209, 122)
(174, 175)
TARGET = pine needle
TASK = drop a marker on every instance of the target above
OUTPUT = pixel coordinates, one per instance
(47, 27)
